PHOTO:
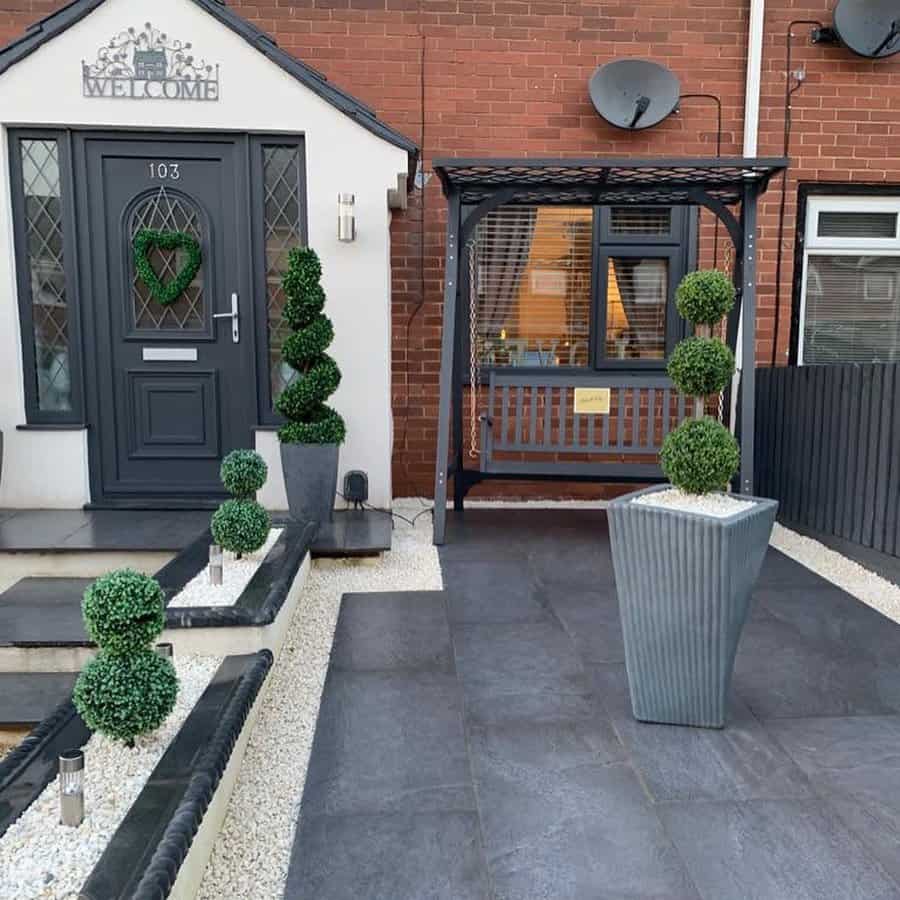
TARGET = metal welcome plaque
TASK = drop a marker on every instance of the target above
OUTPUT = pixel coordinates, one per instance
(148, 65)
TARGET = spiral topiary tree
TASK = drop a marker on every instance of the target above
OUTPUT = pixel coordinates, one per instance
(302, 403)
(240, 524)
(127, 689)
(701, 455)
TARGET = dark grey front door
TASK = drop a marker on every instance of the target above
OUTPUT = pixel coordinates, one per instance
(174, 388)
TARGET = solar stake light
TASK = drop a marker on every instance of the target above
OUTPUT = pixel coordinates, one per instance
(346, 218)
(165, 650)
(71, 787)
(216, 564)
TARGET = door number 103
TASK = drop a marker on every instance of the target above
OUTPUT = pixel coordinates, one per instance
(165, 171)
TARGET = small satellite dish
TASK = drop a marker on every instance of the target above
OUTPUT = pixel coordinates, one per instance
(869, 28)
(634, 93)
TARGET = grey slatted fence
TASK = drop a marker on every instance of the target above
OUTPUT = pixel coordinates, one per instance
(828, 449)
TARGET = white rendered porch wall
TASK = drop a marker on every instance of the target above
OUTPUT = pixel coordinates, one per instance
(50, 469)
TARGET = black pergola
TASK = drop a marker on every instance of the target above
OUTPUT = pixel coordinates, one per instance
(483, 185)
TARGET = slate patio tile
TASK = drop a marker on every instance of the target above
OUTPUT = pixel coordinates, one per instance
(782, 673)
(43, 611)
(591, 619)
(774, 850)
(389, 742)
(562, 819)
(779, 570)
(138, 530)
(498, 662)
(39, 529)
(583, 562)
(854, 763)
(27, 697)
(491, 592)
(739, 762)
(397, 856)
(392, 631)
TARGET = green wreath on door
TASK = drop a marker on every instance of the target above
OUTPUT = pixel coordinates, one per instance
(145, 242)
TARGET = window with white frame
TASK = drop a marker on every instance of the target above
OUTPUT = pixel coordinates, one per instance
(850, 301)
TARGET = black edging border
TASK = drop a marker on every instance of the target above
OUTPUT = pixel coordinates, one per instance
(162, 870)
(36, 758)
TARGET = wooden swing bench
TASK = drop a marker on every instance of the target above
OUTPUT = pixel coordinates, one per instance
(530, 429)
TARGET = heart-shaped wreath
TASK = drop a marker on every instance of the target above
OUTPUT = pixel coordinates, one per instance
(147, 240)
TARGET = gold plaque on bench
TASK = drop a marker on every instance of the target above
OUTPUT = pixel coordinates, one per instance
(592, 401)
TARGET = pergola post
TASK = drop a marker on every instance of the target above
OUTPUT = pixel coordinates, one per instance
(448, 367)
(748, 336)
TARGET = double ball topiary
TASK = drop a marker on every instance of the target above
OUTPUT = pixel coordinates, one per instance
(302, 402)
(701, 455)
(126, 689)
(242, 525)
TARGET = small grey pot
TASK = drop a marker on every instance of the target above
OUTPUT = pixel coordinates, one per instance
(310, 480)
(684, 582)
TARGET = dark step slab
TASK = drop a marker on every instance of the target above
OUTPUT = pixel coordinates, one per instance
(43, 612)
(27, 697)
(354, 532)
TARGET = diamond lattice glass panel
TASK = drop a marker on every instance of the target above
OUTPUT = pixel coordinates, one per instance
(45, 259)
(852, 309)
(531, 271)
(282, 217)
(652, 221)
(167, 211)
(636, 294)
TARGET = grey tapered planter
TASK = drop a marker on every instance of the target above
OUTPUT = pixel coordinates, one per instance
(684, 583)
(310, 480)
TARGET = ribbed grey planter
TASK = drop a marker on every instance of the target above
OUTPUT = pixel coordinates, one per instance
(310, 480)
(684, 583)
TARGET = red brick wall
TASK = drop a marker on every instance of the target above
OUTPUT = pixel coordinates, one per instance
(508, 77)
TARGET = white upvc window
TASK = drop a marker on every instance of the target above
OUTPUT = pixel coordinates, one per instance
(850, 290)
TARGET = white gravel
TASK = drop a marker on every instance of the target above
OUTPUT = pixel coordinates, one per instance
(236, 575)
(39, 858)
(718, 505)
(251, 856)
(872, 589)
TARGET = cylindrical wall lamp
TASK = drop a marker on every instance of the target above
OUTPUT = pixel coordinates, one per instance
(71, 787)
(346, 218)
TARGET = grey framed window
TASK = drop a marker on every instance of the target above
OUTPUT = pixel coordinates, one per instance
(278, 171)
(577, 287)
(43, 226)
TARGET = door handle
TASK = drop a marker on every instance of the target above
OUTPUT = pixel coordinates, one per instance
(235, 317)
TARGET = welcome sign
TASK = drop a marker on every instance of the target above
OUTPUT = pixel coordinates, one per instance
(148, 65)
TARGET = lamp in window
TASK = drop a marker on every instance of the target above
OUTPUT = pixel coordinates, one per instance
(346, 218)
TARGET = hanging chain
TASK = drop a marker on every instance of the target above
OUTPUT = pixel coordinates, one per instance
(474, 368)
(728, 267)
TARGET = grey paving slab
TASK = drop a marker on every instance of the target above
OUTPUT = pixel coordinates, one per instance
(854, 763)
(43, 610)
(492, 592)
(591, 619)
(27, 697)
(774, 850)
(739, 762)
(354, 532)
(779, 570)
(137, 530)
(392, 631)
(389, 742)
(40, 529)
(400, 856)
(782, 672)
(561, 818)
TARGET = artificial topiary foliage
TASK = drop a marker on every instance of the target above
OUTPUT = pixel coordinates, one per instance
(701, 366)
(127, 689)
(147, 240)
(124, 696)
(241, 526)
(124, 611)
(243, 473)
(302, 403)
(705, 297)
(700, 456)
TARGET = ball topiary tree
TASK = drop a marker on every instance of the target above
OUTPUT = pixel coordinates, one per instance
(126, 689)
(242, 525)
(302, 403)
(701, 455)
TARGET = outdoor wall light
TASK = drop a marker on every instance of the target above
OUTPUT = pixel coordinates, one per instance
(346, 218)
(71, 787)
(216, 564)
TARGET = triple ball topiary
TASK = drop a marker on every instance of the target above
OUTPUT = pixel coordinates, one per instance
(126, 689)
(701, 455)
(302, 402)
(242, 525)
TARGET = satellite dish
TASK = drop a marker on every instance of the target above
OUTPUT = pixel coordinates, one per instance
(634, 93)
(870, 28)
